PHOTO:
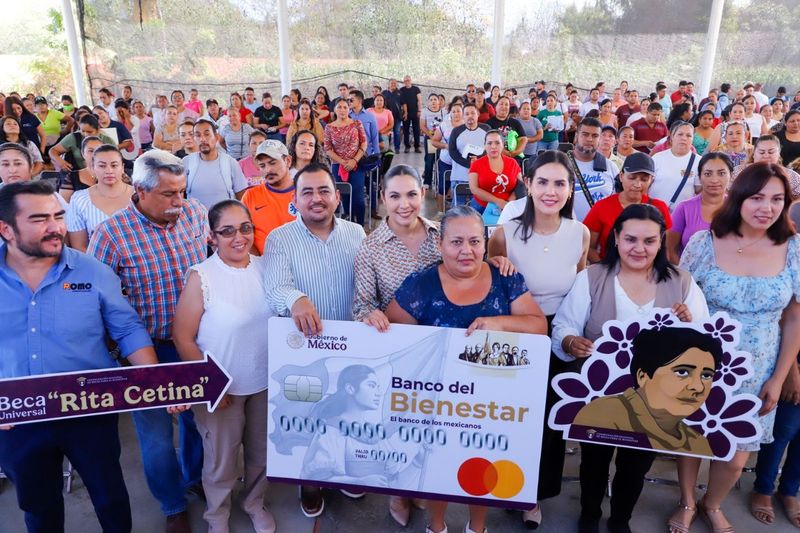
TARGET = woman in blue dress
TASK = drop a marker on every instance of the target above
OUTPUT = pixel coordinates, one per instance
(464, 291)
(748, 265)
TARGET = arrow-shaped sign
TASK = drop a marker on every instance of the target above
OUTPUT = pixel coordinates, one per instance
(113, 390)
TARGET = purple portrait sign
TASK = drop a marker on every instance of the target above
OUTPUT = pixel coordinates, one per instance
(660, 384)
(76, 394)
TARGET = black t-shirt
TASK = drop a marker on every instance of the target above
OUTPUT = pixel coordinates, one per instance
(391, 100)
(408, 97)
(271, 117)
(505, 126)
(790, 150)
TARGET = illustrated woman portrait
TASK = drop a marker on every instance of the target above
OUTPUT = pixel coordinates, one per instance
(673, 371)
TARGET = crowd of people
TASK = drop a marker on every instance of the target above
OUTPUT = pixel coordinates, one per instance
(211, 219)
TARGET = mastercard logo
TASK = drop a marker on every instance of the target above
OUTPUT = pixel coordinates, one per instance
(501, 479)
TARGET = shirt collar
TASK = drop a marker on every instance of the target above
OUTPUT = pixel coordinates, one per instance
(299, 220)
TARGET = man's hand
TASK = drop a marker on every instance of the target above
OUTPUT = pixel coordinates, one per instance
(6, 427)
(177, 409)
(306, 317)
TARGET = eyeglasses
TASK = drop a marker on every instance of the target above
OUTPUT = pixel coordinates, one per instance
(229, 231)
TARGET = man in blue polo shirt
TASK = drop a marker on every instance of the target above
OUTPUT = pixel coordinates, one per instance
(58, 305)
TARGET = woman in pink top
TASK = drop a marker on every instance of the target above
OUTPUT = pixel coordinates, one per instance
(695, 214)
(146, 127)
(288, 115)
(345, 145)
(384, 119)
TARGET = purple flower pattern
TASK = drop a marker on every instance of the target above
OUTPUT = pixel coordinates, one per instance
(726, 418)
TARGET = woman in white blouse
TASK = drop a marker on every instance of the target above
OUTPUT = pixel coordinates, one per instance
(633, 278)
(223, 310)
(90, 207)
(548, 247)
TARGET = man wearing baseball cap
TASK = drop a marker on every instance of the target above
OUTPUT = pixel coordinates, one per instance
(271, 203)
(635, 179)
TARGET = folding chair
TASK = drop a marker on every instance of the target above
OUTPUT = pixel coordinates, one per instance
(374, 180)
(461, 194)
(346, 198)
(51, 177)
(527, 163)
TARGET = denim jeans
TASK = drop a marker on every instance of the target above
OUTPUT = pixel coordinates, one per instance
(430, 159)
(786, 433)
(168, 476)
(356, 181)
(444, 183)
(32, 457)
(398, 126)
(551, 145)
(461, 198)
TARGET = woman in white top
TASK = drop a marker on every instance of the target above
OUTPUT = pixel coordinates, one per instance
(671, 165)
(755, 121)
(633, 278)
(223, 311)
(441, 140)
(88, 208)
(548, 247)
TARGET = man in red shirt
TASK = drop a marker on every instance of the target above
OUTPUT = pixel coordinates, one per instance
(631, 106)
(677, 96)
(636, 177)
(649, 129)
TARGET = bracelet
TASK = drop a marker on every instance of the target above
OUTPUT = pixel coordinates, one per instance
(569, 345)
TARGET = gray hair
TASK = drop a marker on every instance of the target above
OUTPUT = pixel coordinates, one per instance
(459, 211)
(147, 167)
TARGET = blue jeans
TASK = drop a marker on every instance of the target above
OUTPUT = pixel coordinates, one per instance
(476, 206)
(168, 476)
(430, 159)
(444, 185)
(551, 145)
(32, 456)
(356, 181)
(786, 433)
(398, 126)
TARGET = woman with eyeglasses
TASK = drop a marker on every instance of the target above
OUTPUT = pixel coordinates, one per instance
(222, 310)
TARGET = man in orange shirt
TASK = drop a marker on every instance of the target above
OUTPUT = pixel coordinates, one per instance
(270, 204)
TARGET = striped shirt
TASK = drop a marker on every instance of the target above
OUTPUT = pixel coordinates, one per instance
(83, 214)
(384, 262)
(151, 260)
(300, 264)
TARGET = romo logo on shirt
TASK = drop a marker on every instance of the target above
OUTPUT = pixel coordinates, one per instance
(77, 287)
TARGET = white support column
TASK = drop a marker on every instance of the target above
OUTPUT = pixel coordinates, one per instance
(76, 62)
(497, 41)
(284, 47)
(710, 52)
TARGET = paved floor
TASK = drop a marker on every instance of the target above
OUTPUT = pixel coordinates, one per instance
(370, 514)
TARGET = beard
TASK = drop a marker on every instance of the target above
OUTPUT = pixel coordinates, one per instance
(32, 249)
(586, 151)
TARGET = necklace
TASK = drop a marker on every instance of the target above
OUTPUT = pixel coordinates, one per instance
(741, 248)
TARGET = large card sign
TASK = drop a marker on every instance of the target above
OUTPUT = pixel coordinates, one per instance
(417, 411)
(664, 385)
(113, 390)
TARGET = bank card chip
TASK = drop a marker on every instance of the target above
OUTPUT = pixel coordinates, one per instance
(302, 388)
